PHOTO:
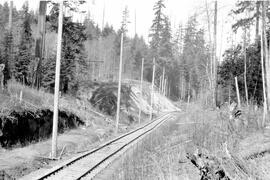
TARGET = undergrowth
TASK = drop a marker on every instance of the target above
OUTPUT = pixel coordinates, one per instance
(161, 155)
(19, 97)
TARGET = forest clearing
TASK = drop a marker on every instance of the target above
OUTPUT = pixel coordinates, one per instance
(161, 89)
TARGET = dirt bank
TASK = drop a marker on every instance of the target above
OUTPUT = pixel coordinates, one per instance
(20, 128)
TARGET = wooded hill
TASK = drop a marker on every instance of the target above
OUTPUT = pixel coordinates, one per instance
(91, 53)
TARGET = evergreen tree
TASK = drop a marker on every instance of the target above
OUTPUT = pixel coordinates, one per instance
(7, 56)
(73, 55)
(24, 55)
(166, 54)
(90, 29)
(247, 7)
(125, 21)
(157, 27)
(233, 65)
(194, 57)
(107, 30)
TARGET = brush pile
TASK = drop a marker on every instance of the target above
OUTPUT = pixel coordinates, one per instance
(209, 166)
(225, 167)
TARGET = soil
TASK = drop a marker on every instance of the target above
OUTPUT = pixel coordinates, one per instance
(20, 161)
(24, 127)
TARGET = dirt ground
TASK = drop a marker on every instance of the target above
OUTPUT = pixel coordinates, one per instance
(21, 161)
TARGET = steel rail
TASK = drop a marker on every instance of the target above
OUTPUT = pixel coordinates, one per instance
(121, 148)
(73, 160)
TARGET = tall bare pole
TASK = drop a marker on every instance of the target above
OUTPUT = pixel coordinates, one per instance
(215, 58)
(10, 17)
(237, 92)
(163, 76)
(211, 48)
(245, 65)
(266, 54)
(57, 80)
(119, 83)
(257, 20)
(103, 16)
(263, 70)
(160, 84)
(152, 90)
(140, 110)
(164, 86)
(135, 23)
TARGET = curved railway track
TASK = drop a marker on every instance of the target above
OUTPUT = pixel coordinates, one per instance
(87, 165)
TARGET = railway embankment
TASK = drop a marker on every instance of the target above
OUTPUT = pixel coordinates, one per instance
(26, 115)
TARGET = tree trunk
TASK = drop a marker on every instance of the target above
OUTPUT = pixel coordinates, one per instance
(8, 59)
(40, 43)
(257, 20)
(211, 70)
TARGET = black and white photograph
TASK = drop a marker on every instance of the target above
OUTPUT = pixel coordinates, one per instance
(134, 90)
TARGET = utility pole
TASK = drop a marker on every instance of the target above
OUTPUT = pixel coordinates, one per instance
(164, 86)
(140, 111)
(152, 90)
(160, 85)
(215, 58)
(163, 76)
(57, 80)
(245, 65)
(103, 17)
(135, 24)
(119, 83)
(266, 53)
(262, 64)
(237, 92)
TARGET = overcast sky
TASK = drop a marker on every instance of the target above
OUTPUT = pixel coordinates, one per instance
(177, 10)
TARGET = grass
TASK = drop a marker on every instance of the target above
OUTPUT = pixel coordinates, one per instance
(158, 155)
(33, 99)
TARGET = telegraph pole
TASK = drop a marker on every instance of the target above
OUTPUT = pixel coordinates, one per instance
(103, 16)
(152, 90)
(140, 111)
(163, 76)
(119, 83)
(215, 58)
(57, 80)
(135, 23)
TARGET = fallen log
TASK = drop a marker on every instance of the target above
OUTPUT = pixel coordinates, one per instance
(209, 166)
(226, 167)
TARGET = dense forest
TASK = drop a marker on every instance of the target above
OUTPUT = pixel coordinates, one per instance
(91, 53)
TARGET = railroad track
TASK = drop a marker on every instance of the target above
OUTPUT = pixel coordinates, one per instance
(87, 165)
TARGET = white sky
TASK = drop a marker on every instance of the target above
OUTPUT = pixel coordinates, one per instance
(177, 10)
